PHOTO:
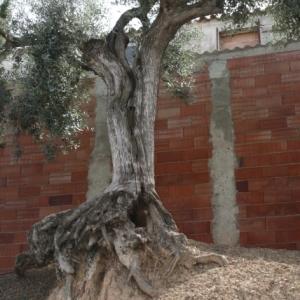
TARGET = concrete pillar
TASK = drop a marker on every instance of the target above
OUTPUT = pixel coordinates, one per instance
(223, 162)
(99, 175)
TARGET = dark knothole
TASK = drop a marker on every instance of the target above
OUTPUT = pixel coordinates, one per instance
(138, 217)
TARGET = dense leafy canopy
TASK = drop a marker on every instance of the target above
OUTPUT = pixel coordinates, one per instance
(48, 70)
(44, 40)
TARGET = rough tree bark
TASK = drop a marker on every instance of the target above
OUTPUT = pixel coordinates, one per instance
(127, 220)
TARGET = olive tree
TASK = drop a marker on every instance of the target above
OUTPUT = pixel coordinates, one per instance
(53, 44)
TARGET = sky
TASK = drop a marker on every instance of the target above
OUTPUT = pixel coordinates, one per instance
(116, 11)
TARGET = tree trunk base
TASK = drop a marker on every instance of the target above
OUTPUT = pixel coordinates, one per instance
(103, 277)
(121, 245)
(98, 286)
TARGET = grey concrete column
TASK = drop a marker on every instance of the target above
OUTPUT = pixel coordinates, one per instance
(100, 169)
(223, 162)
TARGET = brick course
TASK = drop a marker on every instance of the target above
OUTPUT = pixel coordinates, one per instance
(268, 180)
(183, 180)
(31, 189)
(265, 102)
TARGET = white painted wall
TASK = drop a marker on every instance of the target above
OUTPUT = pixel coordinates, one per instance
(211, 28)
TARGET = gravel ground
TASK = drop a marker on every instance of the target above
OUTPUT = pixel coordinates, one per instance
(251, 274)
(36, 285)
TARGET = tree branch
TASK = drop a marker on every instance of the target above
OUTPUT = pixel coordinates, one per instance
(138, 12)
(174, 14)
(97, 56)
(10, 42)
(118, 40)
(168, 4)
(197, 9)
(201, 8)
(13, 42)
(81, 64)
(104, 63)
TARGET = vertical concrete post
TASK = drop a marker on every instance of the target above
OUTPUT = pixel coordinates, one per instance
(223, 162)
(100, 169)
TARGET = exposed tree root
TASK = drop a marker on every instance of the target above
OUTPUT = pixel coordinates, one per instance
(206, 259)
(106, 283)
(109, 223)
(143, 285)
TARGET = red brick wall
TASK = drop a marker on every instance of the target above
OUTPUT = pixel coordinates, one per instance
(182, 151)
(265, 100)
(266, 113)
(30, 189)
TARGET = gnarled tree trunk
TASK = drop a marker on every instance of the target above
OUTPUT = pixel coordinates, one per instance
(126, 223)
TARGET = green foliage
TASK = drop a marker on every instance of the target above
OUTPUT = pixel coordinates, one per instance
(286, 15)
(48, 73)
(4, 9)
(4, 99)
(4, 92)
(178, 63)
(50, 152)
(240, 12)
